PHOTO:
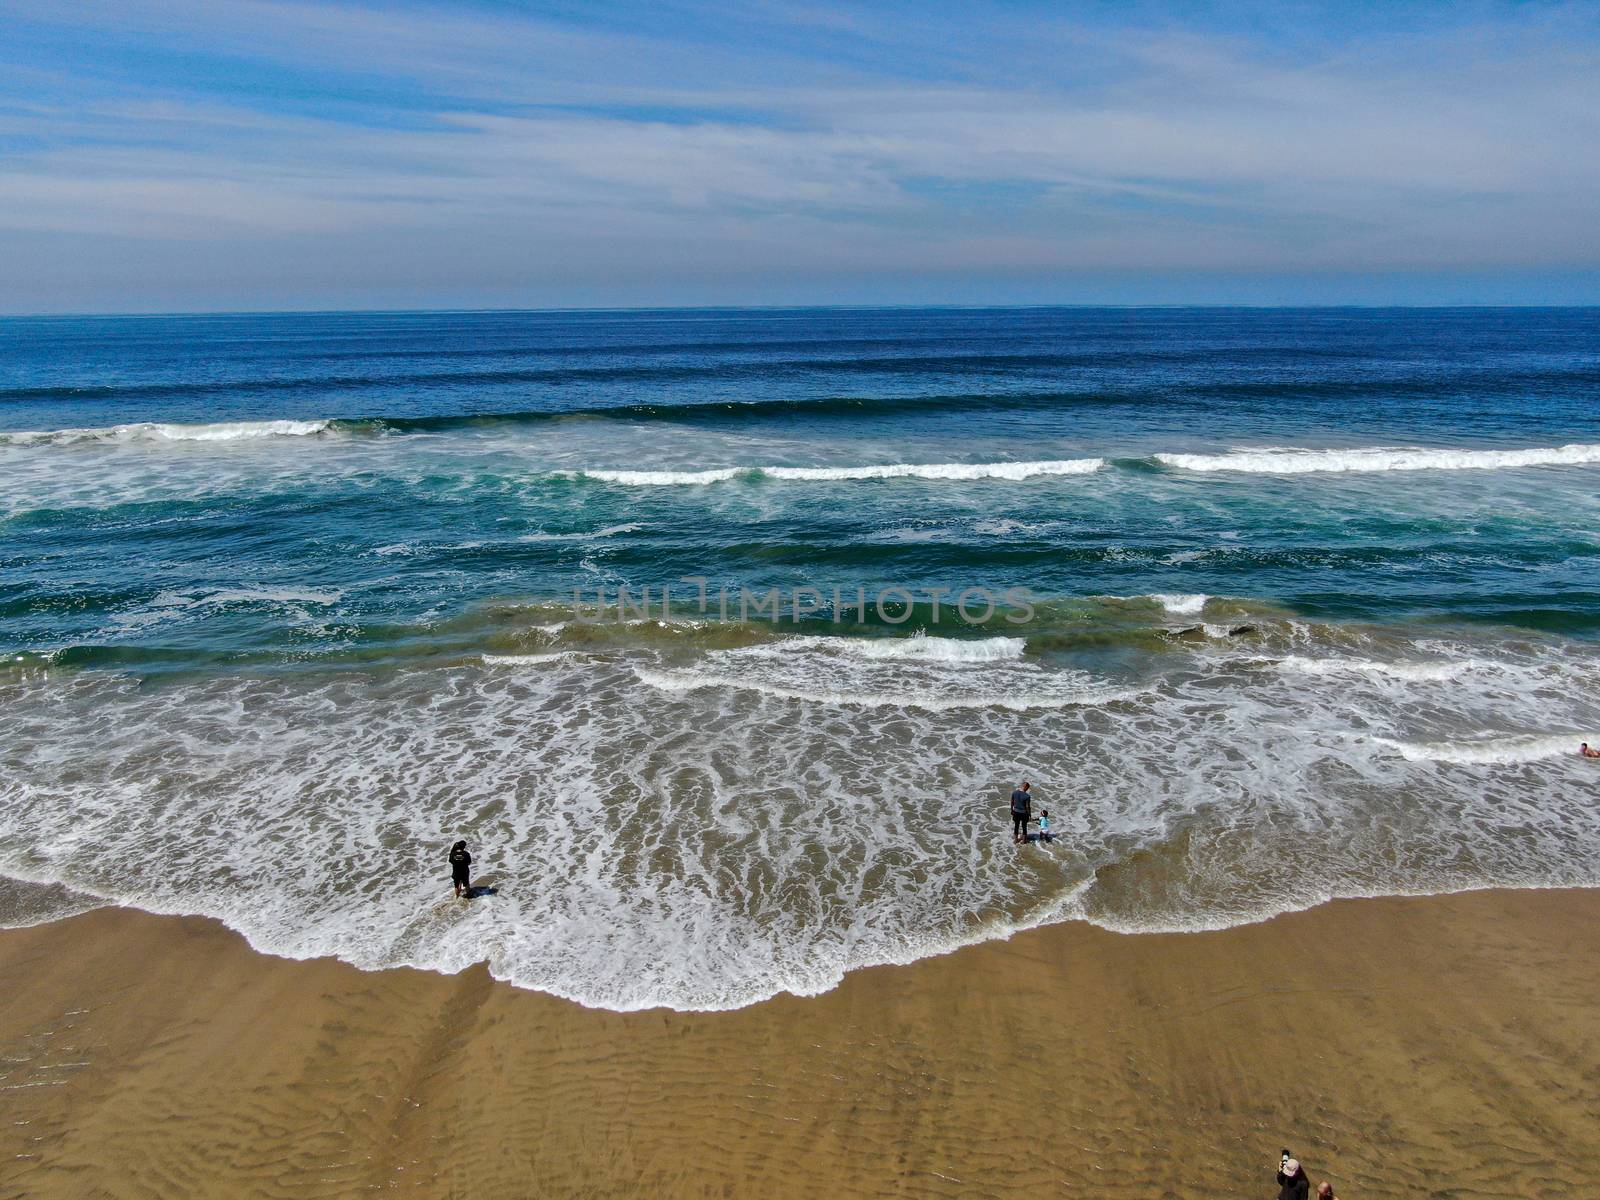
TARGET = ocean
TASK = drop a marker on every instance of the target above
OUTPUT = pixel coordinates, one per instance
(723, 635)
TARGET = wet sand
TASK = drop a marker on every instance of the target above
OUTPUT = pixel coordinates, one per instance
(1445, 1047)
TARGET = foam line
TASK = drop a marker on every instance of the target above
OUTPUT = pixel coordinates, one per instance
(1414, 671)
(931, 700)
(1288, 461)
(1493, 750)
(220, 431)
(919, 647)
(939, 471)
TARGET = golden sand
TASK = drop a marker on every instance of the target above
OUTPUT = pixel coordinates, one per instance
(1445, 1047)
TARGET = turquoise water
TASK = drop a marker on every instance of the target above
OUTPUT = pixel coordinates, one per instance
(1287, 605)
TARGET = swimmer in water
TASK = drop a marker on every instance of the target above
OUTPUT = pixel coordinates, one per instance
(1588, 751)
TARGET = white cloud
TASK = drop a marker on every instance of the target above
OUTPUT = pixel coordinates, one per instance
(1437, 153)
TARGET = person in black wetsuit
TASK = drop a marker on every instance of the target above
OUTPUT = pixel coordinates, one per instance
(1021, 811)
(461, 869)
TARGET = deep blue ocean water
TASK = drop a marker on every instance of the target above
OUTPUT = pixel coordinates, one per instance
(1286, 587)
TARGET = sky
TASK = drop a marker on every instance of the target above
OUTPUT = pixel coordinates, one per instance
(185, 155)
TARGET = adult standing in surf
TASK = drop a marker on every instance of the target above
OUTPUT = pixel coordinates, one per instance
(1021, 811)
(460, 869)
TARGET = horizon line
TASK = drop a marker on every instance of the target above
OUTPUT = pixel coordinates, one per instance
(113, 314)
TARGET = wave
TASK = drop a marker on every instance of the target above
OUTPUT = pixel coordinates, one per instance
(1522, 748)
(1277, 460)
(410, 549)
(694, 413)
(1414, 671)
(176, 605)
(556, 374)
(933, 699)
(921, 647)
(581, 535)
(952, 471)
(1181, 605)
(1266, 460)
(529, 660)
(915, 365)
(248, 596)
(921, 672)
(220, 431)
(875, 813)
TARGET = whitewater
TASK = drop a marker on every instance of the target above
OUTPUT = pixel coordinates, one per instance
(1271, 460)
(290, 604)
(856, 827)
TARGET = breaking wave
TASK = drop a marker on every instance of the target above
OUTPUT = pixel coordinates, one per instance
(956, 471)
(1274, 460)
(1522, 748)
(1266, 460)
(924, 648)
(1415, 671)
(144, 431)
(930, 698)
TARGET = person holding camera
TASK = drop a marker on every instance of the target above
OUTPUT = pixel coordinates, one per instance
(1292, 1181)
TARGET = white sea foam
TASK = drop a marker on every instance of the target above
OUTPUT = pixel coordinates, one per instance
(1415, 671)
(581, 535)
(1181, 605)
(918, 647)
(947, 471)
(1277, 460)
(777, 815)
(412, 549)
(930, 674)
(220, 431)
(664, 478)
(179, 605)
(1004, 527)
(1271, 460)
(530, 660)
(1521, 748)
(926, 699)
(263, 595)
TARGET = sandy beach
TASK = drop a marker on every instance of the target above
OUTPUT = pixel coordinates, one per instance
(793, 602)
(1443, 1047)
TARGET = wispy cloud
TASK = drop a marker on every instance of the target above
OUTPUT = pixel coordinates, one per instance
(229, 144)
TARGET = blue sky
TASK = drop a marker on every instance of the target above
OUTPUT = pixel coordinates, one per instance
(205, 154)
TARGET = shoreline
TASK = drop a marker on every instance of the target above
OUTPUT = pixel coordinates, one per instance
(69, 903)
(1443, 1045)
